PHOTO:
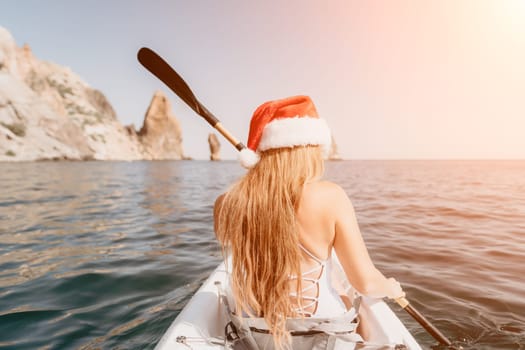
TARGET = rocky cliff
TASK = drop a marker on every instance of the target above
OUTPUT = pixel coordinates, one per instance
(49, 112)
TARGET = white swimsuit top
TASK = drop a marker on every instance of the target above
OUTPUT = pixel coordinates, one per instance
(327, 303)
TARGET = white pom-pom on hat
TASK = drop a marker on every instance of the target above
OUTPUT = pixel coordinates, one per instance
(248, 158)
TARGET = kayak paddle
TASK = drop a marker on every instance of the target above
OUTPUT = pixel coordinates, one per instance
(162, 70)
(429, 327)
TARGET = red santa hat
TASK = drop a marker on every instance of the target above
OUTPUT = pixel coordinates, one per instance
(288, 122)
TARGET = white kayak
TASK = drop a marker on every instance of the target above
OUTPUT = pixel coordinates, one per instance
(201, 324)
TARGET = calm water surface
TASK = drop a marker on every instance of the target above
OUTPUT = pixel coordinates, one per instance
(103, 255)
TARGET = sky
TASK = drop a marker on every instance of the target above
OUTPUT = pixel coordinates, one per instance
(395, 79)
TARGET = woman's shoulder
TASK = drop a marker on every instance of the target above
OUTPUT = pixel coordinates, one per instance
(325, 189)
(324, 194)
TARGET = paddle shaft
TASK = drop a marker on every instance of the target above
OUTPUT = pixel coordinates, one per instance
(433, 331)
(162, 70)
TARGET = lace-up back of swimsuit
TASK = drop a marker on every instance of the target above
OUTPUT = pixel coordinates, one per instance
(319, 298)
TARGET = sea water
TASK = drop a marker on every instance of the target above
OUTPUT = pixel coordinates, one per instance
(104, 255)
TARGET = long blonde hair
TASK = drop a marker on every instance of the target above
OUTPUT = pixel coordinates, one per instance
(257, 224)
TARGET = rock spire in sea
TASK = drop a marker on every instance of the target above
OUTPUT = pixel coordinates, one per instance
(334, 154)
(161, 133)
(215, 147)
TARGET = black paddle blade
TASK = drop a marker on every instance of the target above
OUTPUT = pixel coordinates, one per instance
(162, 70)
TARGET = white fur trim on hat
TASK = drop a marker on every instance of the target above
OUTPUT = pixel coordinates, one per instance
(248, 158)
(296, 131)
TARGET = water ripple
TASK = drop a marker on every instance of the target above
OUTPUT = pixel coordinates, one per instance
(105, 254)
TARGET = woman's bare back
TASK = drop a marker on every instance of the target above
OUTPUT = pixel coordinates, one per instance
(327, 220)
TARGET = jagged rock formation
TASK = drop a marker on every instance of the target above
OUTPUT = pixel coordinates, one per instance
(161, 134)
(334, 154)
(48, 112)
(215, 147)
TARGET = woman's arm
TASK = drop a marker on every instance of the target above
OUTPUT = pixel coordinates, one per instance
(353, 254)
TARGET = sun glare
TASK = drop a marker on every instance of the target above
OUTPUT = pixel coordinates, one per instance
(514, 12)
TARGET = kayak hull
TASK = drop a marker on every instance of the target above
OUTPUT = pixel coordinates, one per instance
(201, 324)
